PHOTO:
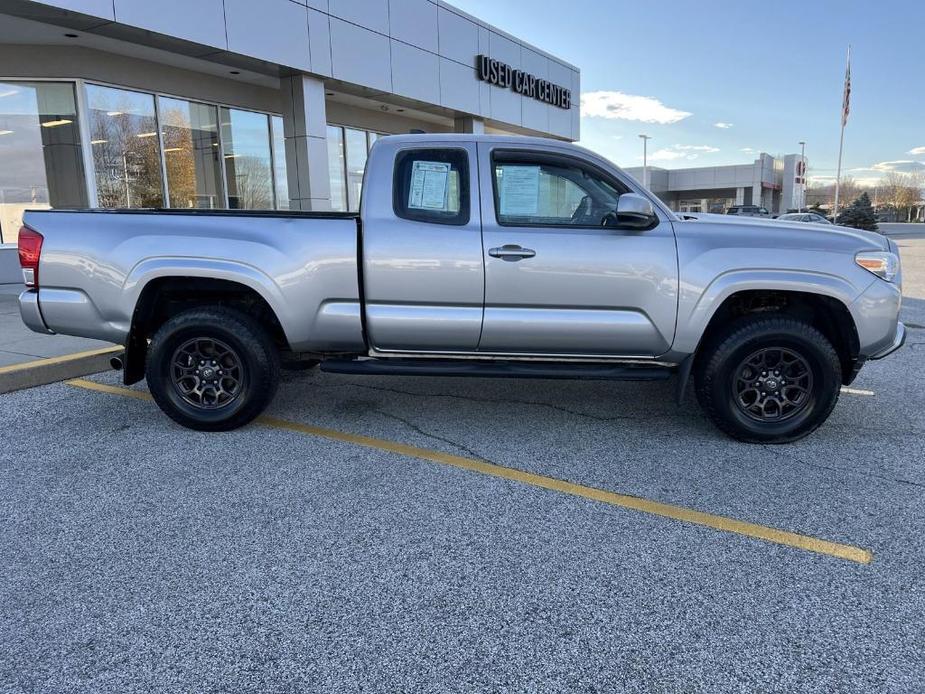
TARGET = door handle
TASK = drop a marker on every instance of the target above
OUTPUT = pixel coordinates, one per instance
(511, 252)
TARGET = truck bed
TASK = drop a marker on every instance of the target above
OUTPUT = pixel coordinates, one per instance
(97, 263)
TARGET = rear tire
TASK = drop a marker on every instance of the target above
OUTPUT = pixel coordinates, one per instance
(768, 379)
(212, 369)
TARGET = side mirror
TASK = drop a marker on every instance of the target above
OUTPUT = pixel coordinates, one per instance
(635, 212)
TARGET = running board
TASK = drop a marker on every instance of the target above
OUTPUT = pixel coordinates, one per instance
(495, 369)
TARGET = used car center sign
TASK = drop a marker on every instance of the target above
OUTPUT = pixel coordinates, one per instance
(503, 75)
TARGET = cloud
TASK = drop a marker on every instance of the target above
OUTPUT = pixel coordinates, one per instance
(620, 106)
(707, 149)
(681, 152)
(901, 165)
(724, 126)
(668, 155)
(916, 150)
(866, 181)
(749, 150)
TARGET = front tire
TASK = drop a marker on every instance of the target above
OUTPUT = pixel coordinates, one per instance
(212, 369)
(768, 379)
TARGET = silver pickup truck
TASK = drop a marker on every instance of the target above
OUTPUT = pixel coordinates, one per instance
(473, 256)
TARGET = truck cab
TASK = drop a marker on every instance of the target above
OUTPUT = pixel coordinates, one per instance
(512, 247)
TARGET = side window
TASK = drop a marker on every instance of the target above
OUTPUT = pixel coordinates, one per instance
(536, 192)
(432, 185)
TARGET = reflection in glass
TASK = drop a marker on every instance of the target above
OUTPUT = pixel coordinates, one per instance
(40, 157)
(189, 131)
(246, 142)
(279, 163)
(355, 141)
(126, 152)
(336, 168)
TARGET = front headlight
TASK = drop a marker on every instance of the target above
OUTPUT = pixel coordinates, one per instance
(883, 264)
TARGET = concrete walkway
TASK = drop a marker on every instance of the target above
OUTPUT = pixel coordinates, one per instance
(18, 344)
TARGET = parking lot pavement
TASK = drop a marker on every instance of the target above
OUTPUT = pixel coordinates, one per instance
(139, 556)
(18, 344)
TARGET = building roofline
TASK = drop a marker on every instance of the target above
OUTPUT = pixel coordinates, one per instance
(512, 37)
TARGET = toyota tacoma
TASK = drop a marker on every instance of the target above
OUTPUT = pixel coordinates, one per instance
(472, 255)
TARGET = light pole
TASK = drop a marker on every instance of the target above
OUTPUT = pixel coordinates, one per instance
(802, 175)
(645, 161)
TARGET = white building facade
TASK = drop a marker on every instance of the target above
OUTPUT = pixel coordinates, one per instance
(247, 104)
(775, 183)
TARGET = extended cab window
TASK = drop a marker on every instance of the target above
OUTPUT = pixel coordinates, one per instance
(553, 191)
(432, 185)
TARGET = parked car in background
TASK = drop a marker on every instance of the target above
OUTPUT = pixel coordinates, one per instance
(749, 211)
(808, 217)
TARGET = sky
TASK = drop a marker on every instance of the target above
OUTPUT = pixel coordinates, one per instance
(715, 82)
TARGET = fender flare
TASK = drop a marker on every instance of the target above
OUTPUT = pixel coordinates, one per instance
(691, 330)
(229, 270)
(150, 269)
(735, 281)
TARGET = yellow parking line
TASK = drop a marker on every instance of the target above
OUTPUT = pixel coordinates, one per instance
(636, 503)
(59, 360)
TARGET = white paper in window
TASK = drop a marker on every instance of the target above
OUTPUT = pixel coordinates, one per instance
(429, 185)
(520, 190)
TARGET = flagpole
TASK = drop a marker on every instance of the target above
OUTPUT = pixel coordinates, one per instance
(841, 141)
(841, 146)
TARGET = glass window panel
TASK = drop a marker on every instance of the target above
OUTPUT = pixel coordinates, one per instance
(279, 163)
(336, 168)
(189, 131)
(40, 158)
(536, 193)
(355, 141)
(431, 185)
(372, 137)
(246, 144)
(126, 152)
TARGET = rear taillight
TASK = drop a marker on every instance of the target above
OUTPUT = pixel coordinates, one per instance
(30, 250)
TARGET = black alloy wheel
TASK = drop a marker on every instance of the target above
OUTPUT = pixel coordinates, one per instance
(207, 373)
(773, 384)
(212, 368)
(768, 378)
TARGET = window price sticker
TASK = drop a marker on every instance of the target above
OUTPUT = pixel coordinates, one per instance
(520, 190)
(429, 186)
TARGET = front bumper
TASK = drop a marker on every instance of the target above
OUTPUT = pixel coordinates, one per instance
(31, 313)
(876, 318)
(898, 341)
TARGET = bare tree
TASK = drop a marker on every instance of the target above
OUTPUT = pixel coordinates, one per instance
(249, 183)
(849, 190)
(824, 193)
(902, 192)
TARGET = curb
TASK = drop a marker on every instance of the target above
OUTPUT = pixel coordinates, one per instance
(44, 371)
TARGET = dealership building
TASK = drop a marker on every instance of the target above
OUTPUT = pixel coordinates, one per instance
(775, 183)
(246, 104)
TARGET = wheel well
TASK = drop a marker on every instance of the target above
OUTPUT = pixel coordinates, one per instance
(830, 316)
(165, 297)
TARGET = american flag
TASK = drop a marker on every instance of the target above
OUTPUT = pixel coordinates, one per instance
(846, 98)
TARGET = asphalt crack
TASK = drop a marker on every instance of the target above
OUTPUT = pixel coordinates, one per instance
(834, 468)
(436, 437)
(505, 401)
